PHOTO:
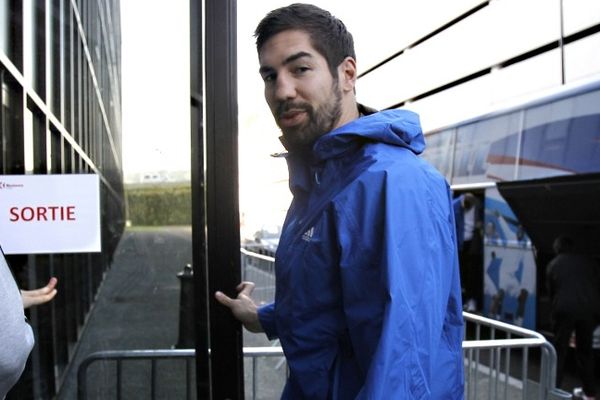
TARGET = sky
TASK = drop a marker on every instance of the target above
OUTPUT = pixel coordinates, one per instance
(155, 85)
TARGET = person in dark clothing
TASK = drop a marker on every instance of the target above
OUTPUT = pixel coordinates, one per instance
(468, 218)
(573, 282)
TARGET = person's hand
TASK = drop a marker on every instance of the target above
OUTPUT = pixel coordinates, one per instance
(243, 307)
(39, 296)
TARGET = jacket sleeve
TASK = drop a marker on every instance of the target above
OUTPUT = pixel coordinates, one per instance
(15, 333)
(266, 316)
(401, 287)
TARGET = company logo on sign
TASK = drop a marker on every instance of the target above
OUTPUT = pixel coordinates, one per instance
(4, 185)
(50, 213)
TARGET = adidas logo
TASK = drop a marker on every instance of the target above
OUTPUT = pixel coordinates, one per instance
(307, 236)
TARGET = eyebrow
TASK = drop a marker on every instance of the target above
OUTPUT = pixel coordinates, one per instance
(288, 60)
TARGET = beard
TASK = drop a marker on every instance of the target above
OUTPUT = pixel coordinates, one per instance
(319, 121)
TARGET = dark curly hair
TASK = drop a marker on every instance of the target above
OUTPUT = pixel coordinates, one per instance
(327, 33)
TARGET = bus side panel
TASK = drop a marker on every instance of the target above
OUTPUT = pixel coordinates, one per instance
(510, 288)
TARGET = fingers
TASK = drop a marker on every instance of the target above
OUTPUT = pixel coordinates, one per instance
(245, 288)
(242, 307)
(46, 297)
(224, 299)
(40, 296)
(52, 283)
(50, 286)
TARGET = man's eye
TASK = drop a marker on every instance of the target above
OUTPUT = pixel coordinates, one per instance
(268, 76)
(301, 70)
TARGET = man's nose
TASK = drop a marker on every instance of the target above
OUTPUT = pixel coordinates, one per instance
(285, 88)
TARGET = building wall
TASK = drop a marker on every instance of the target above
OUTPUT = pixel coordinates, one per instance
(486, 54)
(60, 79)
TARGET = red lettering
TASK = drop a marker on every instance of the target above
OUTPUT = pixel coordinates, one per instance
(41, 213)
(53, 209)
(31, 214)
(14, 213)
(71, 213)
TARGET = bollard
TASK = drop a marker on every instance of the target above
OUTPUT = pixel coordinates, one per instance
(186, 309)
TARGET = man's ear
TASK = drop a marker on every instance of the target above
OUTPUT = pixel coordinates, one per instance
(347, 73)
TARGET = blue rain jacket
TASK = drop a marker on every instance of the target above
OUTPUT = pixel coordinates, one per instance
(367, 301)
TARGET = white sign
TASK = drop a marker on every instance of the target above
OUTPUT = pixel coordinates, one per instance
(49, 214)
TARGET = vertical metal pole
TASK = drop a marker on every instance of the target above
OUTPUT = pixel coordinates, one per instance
(562, 43)
(188, 381)
(153, 379)
(254, 380)
(525, 371)
(119, 380)
(215, 225)
(222, 199)
(198, 200)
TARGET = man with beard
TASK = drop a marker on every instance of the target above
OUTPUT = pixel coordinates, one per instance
(367, 301)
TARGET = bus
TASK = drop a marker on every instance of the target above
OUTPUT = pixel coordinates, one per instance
(535, 167)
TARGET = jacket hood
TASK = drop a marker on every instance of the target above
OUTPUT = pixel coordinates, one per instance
(395, 127)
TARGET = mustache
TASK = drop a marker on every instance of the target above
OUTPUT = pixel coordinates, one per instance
(286, 106)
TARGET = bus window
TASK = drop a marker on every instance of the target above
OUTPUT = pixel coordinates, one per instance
(486, 149)
(561, 137)
(438, 151)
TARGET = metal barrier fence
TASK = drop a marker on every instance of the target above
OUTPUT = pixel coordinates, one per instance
(185, 356)
(502, 361)
(260, 269)
(494, 368)
(120, 356)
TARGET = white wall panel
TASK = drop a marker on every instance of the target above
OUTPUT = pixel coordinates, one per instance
(396, 24)
(494, 34)
(456, 104)
(580, 14)
(526, 78)
(582, 58)
(501, 89)
(517, 26)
